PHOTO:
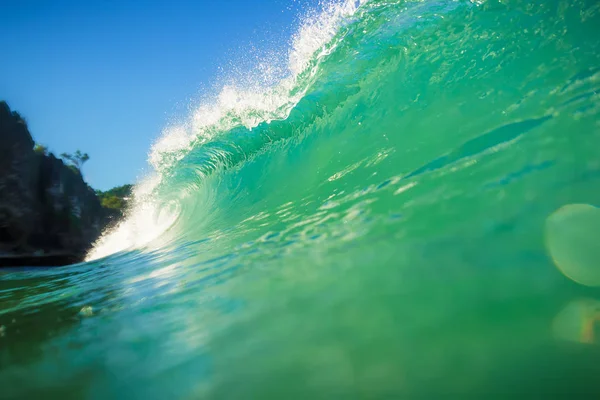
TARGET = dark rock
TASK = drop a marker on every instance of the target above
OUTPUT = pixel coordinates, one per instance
(45, 206)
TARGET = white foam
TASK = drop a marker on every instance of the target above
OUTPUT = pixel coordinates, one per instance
(145, 222)
(248, 101)
(254, 97)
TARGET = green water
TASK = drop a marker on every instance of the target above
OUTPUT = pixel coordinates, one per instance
(376, 230)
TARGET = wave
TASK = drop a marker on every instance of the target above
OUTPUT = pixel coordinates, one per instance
(354, 219)
(245, 103)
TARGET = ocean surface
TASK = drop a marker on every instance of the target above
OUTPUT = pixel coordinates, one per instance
(363, 216)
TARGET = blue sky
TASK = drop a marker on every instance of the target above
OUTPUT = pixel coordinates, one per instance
(106, 76)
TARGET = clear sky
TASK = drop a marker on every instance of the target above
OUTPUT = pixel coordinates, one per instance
(105, 76)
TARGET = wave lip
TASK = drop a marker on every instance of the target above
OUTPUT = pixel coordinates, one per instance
(247, 104)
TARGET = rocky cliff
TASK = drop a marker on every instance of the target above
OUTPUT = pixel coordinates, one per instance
(45, 206)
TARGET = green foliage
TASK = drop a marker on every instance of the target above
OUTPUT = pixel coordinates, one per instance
(120, 191)
(115, 198)
(77, 159)
(74, 169)
(113, 202)
(40, 149)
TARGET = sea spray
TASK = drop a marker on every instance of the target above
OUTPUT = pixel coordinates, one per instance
(246, 103)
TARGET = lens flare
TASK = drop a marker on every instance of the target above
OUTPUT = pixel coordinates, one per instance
(572, 234)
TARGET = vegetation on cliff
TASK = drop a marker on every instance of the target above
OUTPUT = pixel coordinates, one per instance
(116, 199)
(76, 159)
(45, 205)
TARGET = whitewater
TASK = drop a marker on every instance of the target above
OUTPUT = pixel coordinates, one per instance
(372, 214)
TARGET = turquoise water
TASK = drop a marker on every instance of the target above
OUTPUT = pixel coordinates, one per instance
(368, 223)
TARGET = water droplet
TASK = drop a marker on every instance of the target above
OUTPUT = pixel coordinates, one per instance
(576, 322)
(86, 311)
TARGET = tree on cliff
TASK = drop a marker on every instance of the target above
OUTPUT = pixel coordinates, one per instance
(77, 159)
